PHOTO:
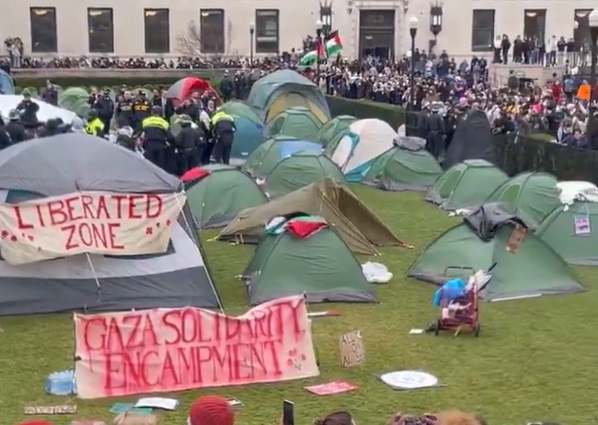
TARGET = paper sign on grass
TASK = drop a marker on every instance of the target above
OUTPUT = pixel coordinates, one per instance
(92, 222)
(351, 349)
(167, 350)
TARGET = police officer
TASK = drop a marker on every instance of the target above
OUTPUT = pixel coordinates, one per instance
(105, 107)
(141, 110)
(124, 111)
(28, 110)
(94, 125)
(227, 88)
(223, 126)
(189, 140)
(436, 131)
(15, 129)
(156, 134)
(51, 128)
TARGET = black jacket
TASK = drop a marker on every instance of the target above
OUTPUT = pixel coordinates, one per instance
(4, 138)
(188, 137)
(16, 131)
(28, 110)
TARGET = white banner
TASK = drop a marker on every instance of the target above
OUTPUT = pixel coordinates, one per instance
(93, 222)
(168, 350)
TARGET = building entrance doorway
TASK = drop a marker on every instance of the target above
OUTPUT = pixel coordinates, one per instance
(377, 33)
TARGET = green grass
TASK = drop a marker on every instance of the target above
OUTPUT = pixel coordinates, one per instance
(534, 359)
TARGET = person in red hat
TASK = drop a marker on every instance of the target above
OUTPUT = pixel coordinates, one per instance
(211, 410)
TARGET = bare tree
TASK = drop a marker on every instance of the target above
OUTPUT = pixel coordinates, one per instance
(189, 43)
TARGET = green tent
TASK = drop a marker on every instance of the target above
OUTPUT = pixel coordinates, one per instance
(333, 130)
(403, 169)
(466, 184)
(529, 196)
(263, 160)
(299, 170)
(297, 122)
(284, 89)
(535, 269)
(216, 199)
(240, 109)
(75, 99)
(320, 266)
(572, 231)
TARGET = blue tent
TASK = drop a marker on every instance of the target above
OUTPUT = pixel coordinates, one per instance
(248, 137)
(285, 89)
(7, 85)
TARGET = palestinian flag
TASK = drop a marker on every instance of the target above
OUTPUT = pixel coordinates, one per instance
(332, 46)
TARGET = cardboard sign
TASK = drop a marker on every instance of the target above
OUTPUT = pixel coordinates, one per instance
(168, 350)
(582, 225)
(352, 350)
(65, 409)
(87, 222)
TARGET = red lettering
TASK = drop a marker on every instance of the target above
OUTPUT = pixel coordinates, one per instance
(70, 243)
(90, 328)
(91, 235)
(71, 209)
(40, 216)
(86, 203)
(112, 228)
(132, 211)
(169, 321)
(21, 224)
(57, 214)
(119, 204)
(102, 209)
(153, 211)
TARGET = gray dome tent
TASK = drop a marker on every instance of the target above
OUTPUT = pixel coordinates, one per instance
(74, 162)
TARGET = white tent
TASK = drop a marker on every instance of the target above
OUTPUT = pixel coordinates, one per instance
(46, 111)
(365, 141)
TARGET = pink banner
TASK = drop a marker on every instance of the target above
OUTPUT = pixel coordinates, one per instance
(87, 222)
(165, 350)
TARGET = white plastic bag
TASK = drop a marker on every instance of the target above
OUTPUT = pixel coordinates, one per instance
(376, 272)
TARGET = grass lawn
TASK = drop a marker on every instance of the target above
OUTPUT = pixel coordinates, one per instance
(534, 359)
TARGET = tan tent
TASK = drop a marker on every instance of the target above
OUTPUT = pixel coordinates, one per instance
(359, 227)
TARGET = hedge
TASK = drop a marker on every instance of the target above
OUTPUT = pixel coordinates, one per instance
(535, 152)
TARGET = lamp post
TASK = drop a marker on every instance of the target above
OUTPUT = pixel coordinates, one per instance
(413, 23)
(251, 38)
(319, 25)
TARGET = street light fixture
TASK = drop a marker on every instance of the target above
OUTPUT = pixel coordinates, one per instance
(413, 24)
(251, 40)
(319, 26)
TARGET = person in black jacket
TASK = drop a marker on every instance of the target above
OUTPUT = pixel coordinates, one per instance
(227, 87)
(188, 142)
(28, 110)
(52, 128)
(15, 129)
(105, 107)
(4, 137)
(224, 133)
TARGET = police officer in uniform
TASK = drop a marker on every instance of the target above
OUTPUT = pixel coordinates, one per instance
(436, 131)
(224, 134)
(141, 110)
(94, 125)
(15, 129)
(105, 107)
(124, 111)
(28, 110)
(156, 135)
(188, 142)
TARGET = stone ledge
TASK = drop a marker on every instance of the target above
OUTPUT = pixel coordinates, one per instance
(53, 73)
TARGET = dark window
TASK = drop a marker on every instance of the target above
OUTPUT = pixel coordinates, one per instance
(377, 19)
(44, 38)
(169, 250)
(211, 30)
(482, 30)
(266, 31)
(157, 30)
(100, 24)
(581, 34)
(534, 24)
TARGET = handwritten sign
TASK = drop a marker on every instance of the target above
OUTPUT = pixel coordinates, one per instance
(167, 350)
(65, 409)
(352, 350)
(92, 222)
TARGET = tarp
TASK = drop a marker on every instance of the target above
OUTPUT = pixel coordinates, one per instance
(354, 222)
(465, 185)
(46, 111)
(299, 170)
(263, 160)
(249, 136)
(572, 231)
(472, 140)
(332, 131)
(530, 196)
(403, 168)
(364, 141)
(293, 88)
(7, 85)
(216, 199)
(488, 219)
(296, 122)
(535, 269)
(165, 344)
(240, 109)
(68, 163)
(330, 273)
